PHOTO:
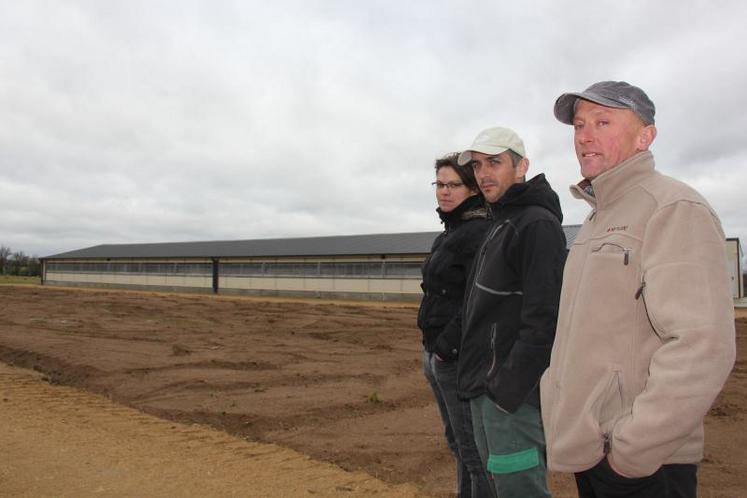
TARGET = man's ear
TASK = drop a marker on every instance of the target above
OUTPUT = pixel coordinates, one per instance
(521, 168)
(646, 137)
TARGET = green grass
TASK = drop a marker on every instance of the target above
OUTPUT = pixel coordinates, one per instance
(12, 279)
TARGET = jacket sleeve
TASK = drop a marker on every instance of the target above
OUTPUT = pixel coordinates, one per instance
(685, 289)
(540, 256)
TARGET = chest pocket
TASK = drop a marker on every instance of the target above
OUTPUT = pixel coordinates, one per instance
(615, 257)
(611, 279)
(613, 250)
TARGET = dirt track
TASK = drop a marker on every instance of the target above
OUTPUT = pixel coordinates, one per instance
(340, 383)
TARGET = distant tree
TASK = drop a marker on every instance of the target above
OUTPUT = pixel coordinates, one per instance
(17, 263)
(34, 267)
(5, 253)
(23, 265)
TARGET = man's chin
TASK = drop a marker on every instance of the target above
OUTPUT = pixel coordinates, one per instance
(589, 171)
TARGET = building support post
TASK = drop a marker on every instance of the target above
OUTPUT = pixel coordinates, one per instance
(216, 264)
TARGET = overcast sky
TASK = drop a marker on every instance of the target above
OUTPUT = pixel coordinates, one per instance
(155, 121)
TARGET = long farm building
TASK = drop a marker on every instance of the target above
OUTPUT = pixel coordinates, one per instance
(365, 267)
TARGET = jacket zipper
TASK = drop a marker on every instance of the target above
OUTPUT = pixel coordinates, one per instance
(493, 333)
(481, 261)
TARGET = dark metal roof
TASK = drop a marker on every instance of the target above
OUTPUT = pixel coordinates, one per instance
(339, 245)
(570, 234)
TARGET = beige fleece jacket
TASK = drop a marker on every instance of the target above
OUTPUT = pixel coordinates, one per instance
(645, 337)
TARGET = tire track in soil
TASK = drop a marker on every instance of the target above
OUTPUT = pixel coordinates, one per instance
(59, 441)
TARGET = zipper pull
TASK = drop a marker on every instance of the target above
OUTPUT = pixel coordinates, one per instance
(626, 258)
(640, 290)
(607, 444)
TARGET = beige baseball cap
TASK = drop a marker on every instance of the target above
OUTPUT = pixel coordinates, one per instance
(493, 141)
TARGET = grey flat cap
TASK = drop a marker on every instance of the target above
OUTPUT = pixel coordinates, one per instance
(616, 94)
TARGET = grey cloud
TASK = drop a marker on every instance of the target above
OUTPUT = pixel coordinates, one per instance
(158, 121)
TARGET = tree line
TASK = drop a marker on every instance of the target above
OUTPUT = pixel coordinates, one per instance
(18, 263)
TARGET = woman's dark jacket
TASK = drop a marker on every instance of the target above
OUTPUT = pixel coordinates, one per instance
(511, 307)
(446, 268)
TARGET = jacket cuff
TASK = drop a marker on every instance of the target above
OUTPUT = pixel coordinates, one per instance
(444, 350)
(508, 404)
(629, 469)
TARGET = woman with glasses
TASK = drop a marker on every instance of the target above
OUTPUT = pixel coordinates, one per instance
(463, 214)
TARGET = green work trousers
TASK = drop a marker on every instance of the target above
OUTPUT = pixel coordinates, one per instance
(512, 448)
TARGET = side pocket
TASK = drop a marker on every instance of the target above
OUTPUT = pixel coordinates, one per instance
(694, 297)
(608, 407)
(641, 293)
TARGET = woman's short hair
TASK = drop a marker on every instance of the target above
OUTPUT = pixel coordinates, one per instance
(465, 172)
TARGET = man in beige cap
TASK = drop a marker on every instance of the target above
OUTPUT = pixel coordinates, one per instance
(509, 315)
(645, 337)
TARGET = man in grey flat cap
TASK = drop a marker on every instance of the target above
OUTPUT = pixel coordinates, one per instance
(645, 337)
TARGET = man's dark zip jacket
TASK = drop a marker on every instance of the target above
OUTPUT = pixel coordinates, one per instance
(511, 306)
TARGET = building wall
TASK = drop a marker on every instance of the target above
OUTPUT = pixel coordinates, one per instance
(373, 277)
(734, 258)
(350, 288)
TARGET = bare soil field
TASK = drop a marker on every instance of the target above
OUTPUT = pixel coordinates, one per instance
(338, 382)
(59, 441)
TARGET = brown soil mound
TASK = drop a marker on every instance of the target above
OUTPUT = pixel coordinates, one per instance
(60, 441)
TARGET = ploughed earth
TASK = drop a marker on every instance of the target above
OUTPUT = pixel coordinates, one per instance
(339, 382)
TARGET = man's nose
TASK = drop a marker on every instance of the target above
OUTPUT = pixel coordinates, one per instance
(583, 135)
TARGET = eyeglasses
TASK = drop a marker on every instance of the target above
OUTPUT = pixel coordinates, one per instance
(450, 185)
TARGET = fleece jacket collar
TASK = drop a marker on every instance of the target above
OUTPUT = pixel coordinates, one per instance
(613, 183)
